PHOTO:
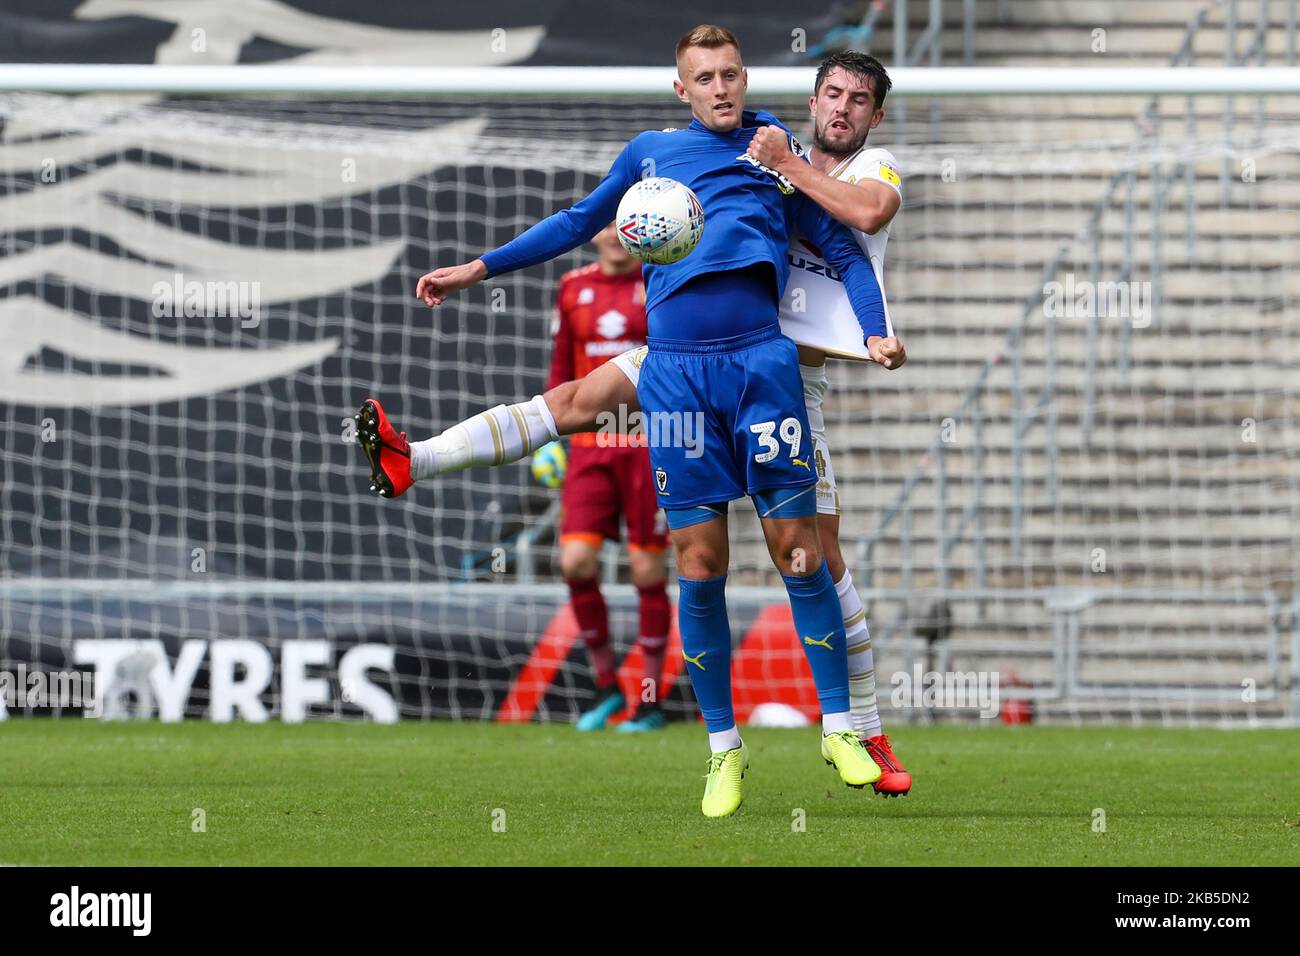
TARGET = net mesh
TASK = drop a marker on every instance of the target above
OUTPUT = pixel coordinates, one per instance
(1091, 490)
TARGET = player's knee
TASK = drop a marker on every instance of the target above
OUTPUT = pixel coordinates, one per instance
(795, 552)
(798, 561)
(578, 563)
(646, 568)
(700, 562)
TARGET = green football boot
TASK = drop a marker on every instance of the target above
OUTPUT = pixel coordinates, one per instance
(844, 752)
(723, 791)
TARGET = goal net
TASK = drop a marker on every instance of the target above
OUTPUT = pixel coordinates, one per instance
(1082, 486)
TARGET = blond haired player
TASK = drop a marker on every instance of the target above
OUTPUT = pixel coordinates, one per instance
(862, 188)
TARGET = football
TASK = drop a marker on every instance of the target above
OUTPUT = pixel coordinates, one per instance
(549, 464)
(660, 221)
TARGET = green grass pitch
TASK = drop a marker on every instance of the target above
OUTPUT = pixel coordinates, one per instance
(86, 792)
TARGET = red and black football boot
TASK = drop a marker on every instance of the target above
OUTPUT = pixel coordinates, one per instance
(894, 780)
(387, 451)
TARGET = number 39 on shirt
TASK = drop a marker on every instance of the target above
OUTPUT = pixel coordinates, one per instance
(790, 432)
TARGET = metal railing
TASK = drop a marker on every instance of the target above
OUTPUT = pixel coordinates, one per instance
(927, 48)
(1031, 411)
(1070, 646)
(526, 547)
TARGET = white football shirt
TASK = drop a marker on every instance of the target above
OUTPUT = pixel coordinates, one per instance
(815, 309)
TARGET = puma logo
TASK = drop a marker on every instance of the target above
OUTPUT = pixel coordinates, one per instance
(696, 659)
(824, 642)
(802, 463)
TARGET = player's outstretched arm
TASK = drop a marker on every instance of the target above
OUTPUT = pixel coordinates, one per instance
(553, 236)
(568, 228)
(434, 287)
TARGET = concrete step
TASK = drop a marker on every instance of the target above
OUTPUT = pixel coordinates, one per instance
(1083, 138)
(1009, 219)
(992, 278)
(1122, 469)
(1028, 12)
(1122, 626)
(1076, 40)
(1071, 527)
(995, 316)
(1213, 439)
(1209, 52)
(1001, 195)
(955, 375)
(752, 567)
(886, 572)
(1259, 253)
(1069, 564)
(1204, 349)
(1170, 107)
(853, 413)
(977, 224)
(1128, 504)
(1114, 409)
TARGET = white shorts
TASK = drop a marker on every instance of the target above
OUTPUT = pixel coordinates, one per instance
(814, 393)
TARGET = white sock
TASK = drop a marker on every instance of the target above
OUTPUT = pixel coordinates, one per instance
(724, 740)
(497, 436)
(862, 664)
(835, 723)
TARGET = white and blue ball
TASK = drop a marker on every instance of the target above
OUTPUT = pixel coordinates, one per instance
(660, 221)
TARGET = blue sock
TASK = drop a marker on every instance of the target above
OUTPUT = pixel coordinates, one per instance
(819, 626)
(706, 646)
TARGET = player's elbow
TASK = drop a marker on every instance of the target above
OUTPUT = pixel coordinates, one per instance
(871, 218)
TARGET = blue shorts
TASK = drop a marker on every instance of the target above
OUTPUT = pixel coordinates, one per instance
(725, 418)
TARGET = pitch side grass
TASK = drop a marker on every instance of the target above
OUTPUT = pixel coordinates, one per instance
(87, 792)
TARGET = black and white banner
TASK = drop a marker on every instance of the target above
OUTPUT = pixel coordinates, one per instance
(440, 33)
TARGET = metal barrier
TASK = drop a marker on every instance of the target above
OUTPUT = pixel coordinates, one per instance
(1030, 411)
(1068, 645)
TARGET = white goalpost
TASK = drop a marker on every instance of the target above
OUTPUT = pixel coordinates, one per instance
(626, 81)
(1085, 479)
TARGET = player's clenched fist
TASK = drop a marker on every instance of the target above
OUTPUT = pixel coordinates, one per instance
(770, 146)
(888, 352)
(434, 287)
